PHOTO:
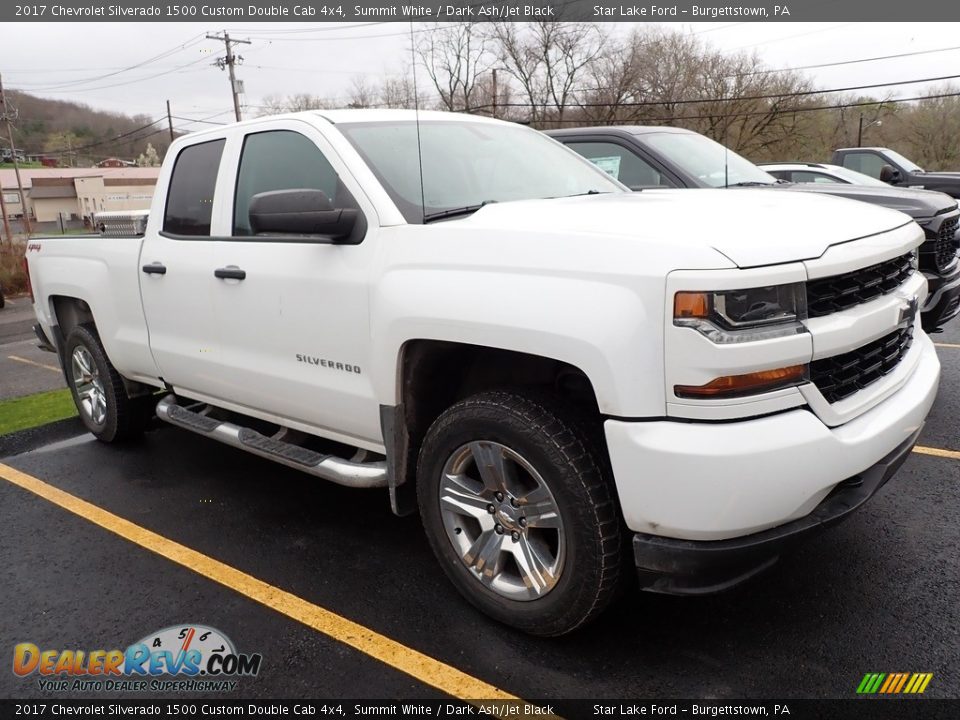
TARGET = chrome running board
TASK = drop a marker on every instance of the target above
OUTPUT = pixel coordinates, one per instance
(328, 467)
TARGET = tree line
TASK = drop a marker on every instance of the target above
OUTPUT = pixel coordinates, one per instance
(76, 134)
(551, 74)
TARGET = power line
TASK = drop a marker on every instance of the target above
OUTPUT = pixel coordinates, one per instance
(773, 96)
(851, 62)
(302, 31)
(108, 141)
(774, 111)
(119, 84)
(791, 37)
(167, 53)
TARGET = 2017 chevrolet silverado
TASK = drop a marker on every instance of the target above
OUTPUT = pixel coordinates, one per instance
(651, 156)
(546, 365)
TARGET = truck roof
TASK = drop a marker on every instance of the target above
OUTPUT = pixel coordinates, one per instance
(878, 149)
(626, 129)
(387, 115)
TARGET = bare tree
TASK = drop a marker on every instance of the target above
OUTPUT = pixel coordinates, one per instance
(455, 56)
(550, 60)
(362, 93)
(275, 104)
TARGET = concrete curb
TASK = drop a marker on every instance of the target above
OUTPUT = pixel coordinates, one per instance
(32, 438)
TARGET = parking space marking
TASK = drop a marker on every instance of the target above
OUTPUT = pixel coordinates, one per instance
(948, 345)
(33, 362)
(428, 670)
(952, 454)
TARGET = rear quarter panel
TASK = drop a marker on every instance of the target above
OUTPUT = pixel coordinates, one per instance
(103, 273)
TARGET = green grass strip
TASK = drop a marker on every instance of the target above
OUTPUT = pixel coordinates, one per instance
(35, 410)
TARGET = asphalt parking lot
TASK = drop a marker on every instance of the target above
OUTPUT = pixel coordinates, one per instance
(344, 600)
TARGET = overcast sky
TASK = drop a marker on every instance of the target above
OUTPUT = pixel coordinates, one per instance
(68, 60)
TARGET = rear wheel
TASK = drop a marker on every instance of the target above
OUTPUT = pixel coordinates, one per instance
(519, 512)
(98, 390)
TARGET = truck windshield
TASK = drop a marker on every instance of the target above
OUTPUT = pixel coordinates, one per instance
(854, 177)
(900, 160)
(708, 161)
(469, 164)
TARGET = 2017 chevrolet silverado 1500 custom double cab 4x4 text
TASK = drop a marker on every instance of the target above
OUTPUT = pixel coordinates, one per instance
(650, 156)
(542, 362)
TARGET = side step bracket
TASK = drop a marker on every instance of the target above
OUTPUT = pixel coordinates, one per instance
(328, 467)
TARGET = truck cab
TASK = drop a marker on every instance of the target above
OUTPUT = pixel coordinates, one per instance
(893, 168)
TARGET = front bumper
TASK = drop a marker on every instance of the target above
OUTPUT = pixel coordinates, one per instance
(687, 567)
(704, 482)
(943, 299)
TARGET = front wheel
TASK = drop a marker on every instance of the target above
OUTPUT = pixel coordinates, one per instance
(519, 512)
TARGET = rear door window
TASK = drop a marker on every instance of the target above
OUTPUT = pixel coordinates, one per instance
(192, 186)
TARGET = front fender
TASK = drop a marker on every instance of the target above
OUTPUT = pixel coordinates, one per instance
(611, 331)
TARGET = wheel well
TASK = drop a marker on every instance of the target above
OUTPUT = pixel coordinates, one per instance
(435, 374)
(70, 312)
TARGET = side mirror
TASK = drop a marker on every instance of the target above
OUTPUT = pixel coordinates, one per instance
(889, 174)
(300, 212)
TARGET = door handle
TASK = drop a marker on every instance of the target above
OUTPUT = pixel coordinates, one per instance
(231, 272)
(155, 268)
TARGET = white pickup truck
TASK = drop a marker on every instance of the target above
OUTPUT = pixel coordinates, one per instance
(565, 377)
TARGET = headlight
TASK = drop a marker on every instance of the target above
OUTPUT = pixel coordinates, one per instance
(734, 316)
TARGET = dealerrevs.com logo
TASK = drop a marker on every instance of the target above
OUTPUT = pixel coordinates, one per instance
(180, 658)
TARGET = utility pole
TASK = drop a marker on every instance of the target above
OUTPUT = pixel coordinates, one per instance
(169, 121)
(6, 220)
(860, 132)
(7, 117)
(228, 62)
(494, 93)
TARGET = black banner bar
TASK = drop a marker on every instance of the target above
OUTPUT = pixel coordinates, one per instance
(478, 11)
(863, 708)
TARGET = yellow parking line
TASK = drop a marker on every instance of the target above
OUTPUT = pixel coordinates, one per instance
(422, 667)
(952, 454)
(948, 345)
(32, 362)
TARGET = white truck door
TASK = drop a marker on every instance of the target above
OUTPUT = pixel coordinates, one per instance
(176, 281)
(294, 318)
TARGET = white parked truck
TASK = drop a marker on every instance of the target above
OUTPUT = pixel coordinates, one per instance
(565, 378)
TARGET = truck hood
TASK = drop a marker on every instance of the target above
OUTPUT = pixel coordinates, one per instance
(915, 203)
(751, 227)
(940, 179)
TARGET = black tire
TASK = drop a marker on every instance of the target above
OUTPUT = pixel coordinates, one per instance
(123, 417)
(549, 438)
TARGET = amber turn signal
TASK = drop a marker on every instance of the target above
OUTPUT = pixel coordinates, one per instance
(691, 305)
(749, 384)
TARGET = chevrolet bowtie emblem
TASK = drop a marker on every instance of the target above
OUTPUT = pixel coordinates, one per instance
(908, 310)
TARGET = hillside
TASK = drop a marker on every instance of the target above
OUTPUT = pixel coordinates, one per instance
(79, 135)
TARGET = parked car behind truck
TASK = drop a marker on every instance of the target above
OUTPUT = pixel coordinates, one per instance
(539, 361)
(655, 157)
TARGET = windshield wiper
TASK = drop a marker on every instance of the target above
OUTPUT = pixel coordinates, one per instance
(751, 183)
(589, 192)
(455, 212)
